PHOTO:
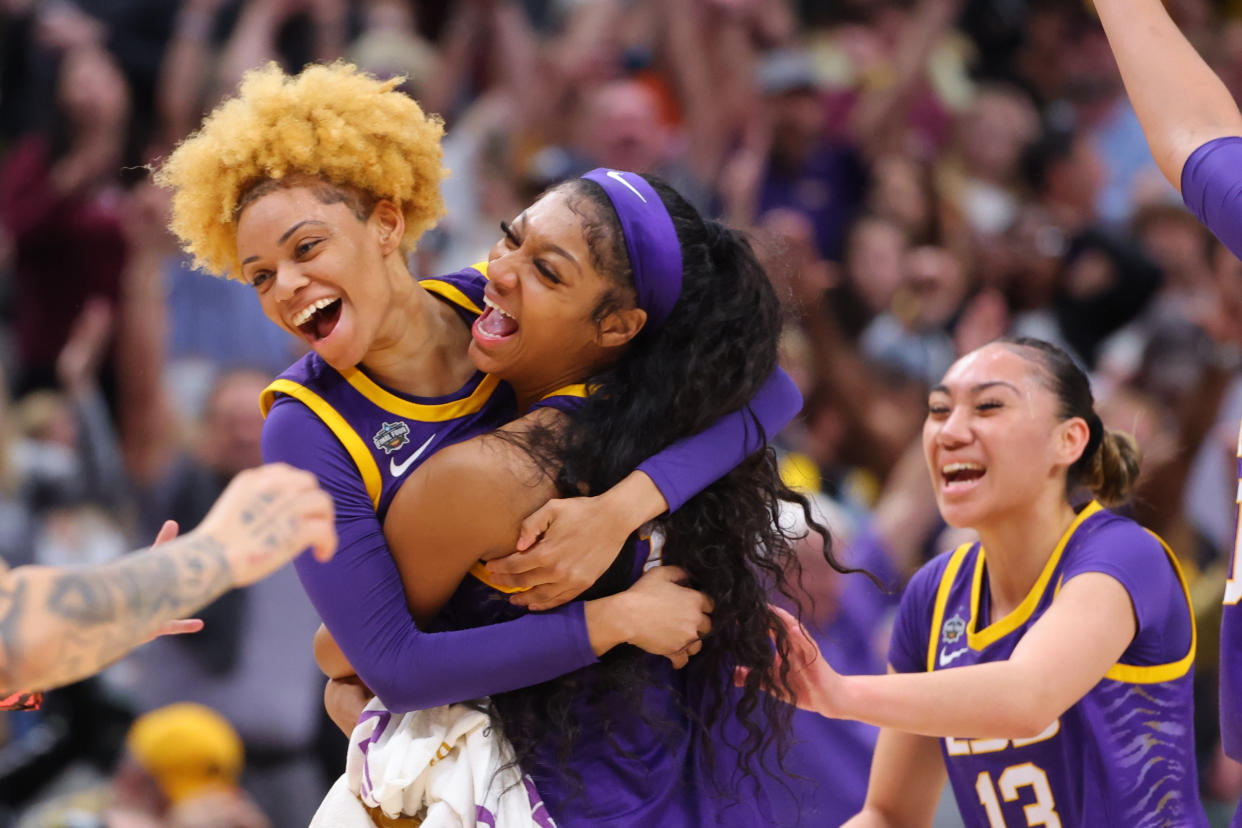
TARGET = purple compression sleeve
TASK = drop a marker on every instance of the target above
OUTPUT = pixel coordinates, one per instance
(1212, 189)
(689, 466)
(359, 596)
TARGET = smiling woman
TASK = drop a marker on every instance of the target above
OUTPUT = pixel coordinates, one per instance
(566, 313)
(1055, 654)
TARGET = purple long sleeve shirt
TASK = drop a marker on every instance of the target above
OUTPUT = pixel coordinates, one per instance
(359, 594)
(1212, 189)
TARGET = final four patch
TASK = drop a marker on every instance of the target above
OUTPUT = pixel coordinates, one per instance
(391, 436)
(954, 628)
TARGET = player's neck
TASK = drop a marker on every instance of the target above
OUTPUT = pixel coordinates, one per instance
(1018, 546)
(421, 349)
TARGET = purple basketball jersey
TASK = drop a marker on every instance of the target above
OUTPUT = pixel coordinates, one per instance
(1123, 755)
(1231, 649)
(387, 434)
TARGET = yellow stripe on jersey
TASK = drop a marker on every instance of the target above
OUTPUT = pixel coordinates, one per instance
(333, 420)
(1021, 613)
(479, 571)
(1152, 674)
(578, 390)
(450, 292)
(942, 597)
(422, 412)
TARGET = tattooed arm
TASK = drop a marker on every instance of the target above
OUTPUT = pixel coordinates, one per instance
(60, 625)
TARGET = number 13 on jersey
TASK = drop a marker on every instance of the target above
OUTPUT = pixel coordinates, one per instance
(1040, 812)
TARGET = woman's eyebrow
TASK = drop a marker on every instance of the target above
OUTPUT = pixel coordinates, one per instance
(285, 237)
(555, 248)
(975, 389)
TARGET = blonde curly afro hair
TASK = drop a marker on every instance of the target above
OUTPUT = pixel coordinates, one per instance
(331, 122)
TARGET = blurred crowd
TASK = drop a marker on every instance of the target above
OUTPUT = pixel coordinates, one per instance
(919, 176)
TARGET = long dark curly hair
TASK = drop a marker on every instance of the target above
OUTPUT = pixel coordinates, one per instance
(709, 358)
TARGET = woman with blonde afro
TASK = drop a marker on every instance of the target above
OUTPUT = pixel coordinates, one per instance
(313, 189)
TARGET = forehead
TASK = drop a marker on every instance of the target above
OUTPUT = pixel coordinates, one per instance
(991, 364)
(276, 211)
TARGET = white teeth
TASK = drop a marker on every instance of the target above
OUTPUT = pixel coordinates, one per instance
(496, 307)
(304, 315)
(959, 467)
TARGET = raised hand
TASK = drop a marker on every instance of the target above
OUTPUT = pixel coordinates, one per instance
(811, 679)
(266, 517)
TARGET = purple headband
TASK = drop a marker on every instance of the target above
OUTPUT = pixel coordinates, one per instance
(651, 241)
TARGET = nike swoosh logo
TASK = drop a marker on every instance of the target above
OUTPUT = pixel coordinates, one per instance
(949, 658)
(615, 175)
(398, 469)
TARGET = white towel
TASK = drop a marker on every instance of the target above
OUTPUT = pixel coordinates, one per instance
(442, 765)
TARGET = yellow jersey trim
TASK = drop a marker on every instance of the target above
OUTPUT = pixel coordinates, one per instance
(481, 267)
(451, 293)
(1021, 613)
(336, 423)
(423, 412)
(479, 571)
(1155, 673)
(942, 598)
(577, 390)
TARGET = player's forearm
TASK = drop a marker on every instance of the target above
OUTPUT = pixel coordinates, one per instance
(1179, 100)
(1001, 700)
(60, 625)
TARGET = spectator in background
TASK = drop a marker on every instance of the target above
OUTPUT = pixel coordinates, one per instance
(180, 770)
(60, 205)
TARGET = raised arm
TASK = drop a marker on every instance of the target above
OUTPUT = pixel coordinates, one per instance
(582, 536)
(1180, 102)
(60, 625)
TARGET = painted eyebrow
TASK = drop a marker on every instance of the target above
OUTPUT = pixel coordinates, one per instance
(285, 237)
(521, 220)
(975, 389)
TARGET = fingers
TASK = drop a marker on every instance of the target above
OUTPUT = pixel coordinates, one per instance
(517, 580)
(705, 625)
(542, 598)
(167, 532)
(517, 563)
(672, 574)
(535, 525)
(181, 626)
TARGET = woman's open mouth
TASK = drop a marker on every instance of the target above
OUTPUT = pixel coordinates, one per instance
(318, 320)
(494, 324)
(959, 477)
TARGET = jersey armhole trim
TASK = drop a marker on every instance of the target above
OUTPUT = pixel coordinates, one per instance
(1157, 673)
(337, 425)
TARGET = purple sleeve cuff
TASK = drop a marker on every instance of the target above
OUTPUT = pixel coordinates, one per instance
(359, 596)
(689, 466)
(1212, 189)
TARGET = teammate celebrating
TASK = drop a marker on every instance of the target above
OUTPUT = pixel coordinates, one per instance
(312, 189)
(1194, 129)
(1049, 664)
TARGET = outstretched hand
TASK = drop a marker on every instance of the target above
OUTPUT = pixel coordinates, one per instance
(562, 548)
(266, 517)
(812, 681)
